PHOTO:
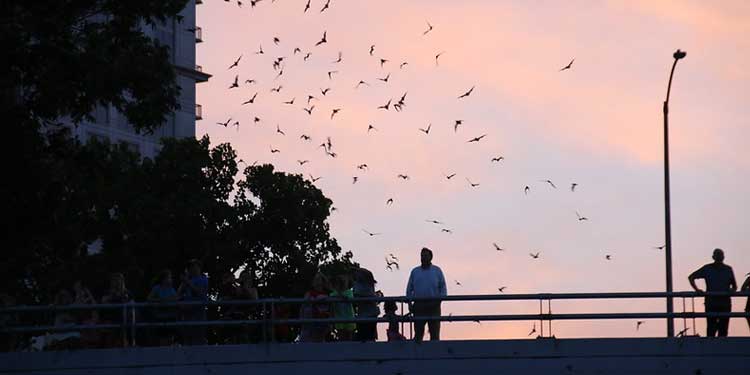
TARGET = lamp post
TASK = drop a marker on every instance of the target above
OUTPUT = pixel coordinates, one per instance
(667, 212)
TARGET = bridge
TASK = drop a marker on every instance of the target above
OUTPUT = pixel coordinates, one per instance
(687, 354)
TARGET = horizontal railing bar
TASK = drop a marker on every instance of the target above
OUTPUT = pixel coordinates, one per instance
(480, 297)
(409, 318)
(516, 317)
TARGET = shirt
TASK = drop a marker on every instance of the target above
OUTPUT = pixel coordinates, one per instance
(428, 282)
(343, 309)
(162, 292)
(200, 282)
(718, 277)
(366, 309)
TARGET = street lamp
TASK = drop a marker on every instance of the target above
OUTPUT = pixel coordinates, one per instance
(678, 55)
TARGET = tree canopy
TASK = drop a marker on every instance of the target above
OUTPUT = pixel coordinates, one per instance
(148, 215)
(80, 211)
(64, 57)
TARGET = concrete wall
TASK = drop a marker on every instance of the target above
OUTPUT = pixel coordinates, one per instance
(685, 356)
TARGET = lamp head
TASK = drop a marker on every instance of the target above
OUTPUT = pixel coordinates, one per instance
(679, 55)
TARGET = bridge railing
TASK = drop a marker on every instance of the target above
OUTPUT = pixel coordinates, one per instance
(132, 321)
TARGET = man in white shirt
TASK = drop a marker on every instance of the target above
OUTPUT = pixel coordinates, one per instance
(426, 280)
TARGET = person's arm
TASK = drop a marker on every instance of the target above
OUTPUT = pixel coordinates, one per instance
(410, 285)
(696, 275)
(442, 288)
(733, 281)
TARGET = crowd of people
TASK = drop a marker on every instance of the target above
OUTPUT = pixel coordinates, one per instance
(193, 287)
(327, 295)
(328, 299)
(427, 280)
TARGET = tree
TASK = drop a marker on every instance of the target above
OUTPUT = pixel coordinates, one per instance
(174, 208)
(150, 215)
(291, 239)
(62, 58)
(56, 205)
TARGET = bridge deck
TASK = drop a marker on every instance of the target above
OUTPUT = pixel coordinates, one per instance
(542, 356)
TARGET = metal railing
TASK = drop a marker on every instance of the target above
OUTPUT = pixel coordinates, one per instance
(268, 306)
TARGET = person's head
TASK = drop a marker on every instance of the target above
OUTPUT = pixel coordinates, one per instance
(194, 267)
(117, 282)
(718, 255)
(320, 282)
(390, 307)
(426, 257)
(165, 278)
(363, 275)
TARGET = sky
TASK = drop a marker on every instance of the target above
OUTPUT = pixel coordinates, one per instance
(598, 124)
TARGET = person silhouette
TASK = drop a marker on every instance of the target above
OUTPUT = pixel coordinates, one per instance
(719, 277)
(427, 280)
(746, 288)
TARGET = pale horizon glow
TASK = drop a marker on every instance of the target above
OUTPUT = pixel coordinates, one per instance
(598, 124)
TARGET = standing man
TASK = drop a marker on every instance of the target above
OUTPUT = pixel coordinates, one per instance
(427, 280)
(719, 277)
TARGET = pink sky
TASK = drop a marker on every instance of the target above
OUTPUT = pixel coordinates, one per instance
(598, 124)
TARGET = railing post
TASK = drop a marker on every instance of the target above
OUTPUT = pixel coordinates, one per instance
(133, 321)
(411, 322)
(401, 306)
(549, 312)
(541, 319)
(692, 301)
(684, 318)
(272, 325)
(124, 325)
(264, 326)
